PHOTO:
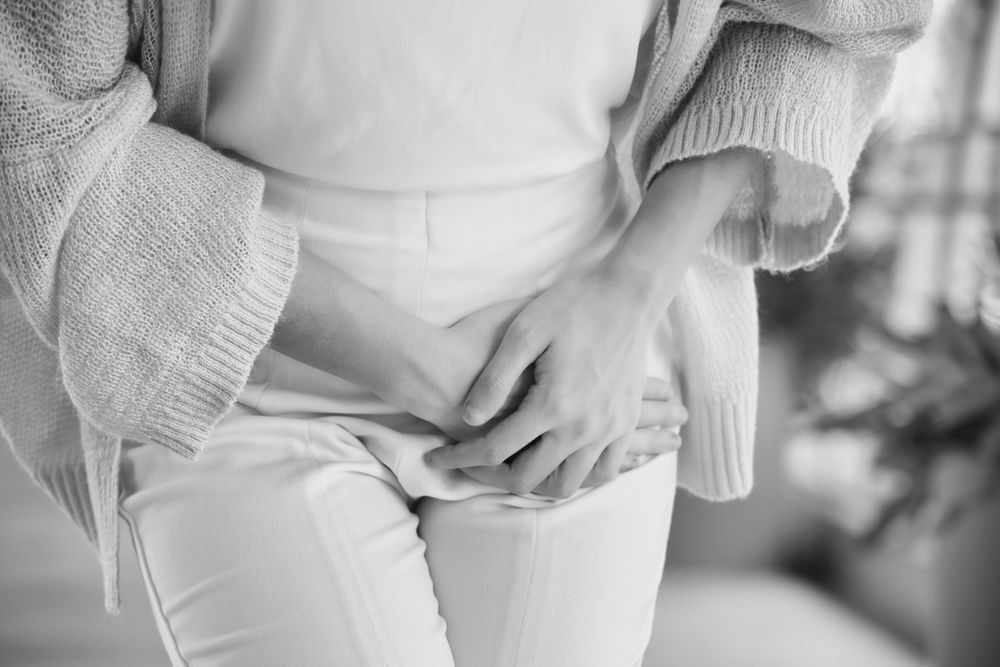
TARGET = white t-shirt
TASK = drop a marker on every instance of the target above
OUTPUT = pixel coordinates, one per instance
(437, 94)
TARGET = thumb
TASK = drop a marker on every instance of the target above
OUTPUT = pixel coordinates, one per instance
(490, 391)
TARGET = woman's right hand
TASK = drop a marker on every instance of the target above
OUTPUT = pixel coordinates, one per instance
(458, 357)
(333, 323)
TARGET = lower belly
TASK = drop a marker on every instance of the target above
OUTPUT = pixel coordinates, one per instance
(439, 255)
(443, 254)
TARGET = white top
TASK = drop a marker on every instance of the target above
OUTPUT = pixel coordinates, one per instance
(426, 95)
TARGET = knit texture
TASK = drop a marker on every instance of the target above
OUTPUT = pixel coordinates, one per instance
(137, 256)
(802, 82)
(140, 278)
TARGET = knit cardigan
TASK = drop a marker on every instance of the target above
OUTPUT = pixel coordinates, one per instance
(139, 277)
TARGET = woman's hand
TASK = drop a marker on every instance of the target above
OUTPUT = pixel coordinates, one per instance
(587, 338)
(454, 363)
(656, 433)
(465, 349)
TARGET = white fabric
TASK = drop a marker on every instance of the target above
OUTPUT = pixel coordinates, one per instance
(440, 256)
(422, 95)
(288, 543)
(308, 509)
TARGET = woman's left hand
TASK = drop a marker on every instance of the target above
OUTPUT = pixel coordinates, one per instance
(588, 339)
(656, 433)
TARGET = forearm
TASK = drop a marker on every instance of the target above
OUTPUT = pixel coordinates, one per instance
(677, 215)
(333, 323)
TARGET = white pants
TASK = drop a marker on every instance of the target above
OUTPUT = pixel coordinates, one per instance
(312, 532)
(289, 543)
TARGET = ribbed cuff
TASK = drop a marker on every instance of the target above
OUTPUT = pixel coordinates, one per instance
(184, 420)
(757, 238)
(718, 465)
(717, 345)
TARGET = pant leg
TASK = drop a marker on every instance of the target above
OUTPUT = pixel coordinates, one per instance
(554, 584)
(286, 543)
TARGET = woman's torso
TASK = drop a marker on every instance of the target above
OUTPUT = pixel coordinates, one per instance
(446, 154)
(431, 95)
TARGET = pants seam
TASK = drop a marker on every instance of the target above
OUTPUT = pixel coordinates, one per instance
(356, 577)
(427, 251)
(302, 205)
(154, 595)
(528, 588)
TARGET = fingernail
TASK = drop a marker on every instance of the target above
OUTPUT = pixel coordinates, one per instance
(473, 417)
(430, 457)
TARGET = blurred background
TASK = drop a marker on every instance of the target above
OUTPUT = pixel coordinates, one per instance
(872, 537)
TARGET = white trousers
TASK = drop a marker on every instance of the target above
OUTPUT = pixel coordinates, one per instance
(312, 532)
(289, 543)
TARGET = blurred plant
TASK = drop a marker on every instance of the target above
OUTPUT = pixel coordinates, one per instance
(818, 311)
(933, 431)
(901, 414)
(900, 334)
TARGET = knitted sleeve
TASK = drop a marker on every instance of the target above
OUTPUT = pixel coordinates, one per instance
(799, 80)
(136, 252)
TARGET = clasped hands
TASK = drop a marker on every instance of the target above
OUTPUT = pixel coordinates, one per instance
(543, 395)
(549, 395)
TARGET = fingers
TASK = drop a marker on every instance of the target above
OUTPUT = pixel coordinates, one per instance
(652, 441)
(503, 441)
(591, 466)
(571, 474)
(492, 388)
(535, 465)
(596, 467)
(498, 476)
(609, 464)
(660, 405)
(518, 392)
(661, 413)
(633, 461)
(657, 389)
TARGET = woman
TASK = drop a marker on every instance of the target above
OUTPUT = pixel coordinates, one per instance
(418, 237)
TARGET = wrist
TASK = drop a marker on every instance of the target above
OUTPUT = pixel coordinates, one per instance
(644, 291)
(414, 384)
(677, 214)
